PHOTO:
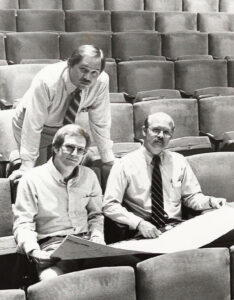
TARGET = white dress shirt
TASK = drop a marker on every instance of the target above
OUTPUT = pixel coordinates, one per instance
(45, 104)
(47, 206)
(127, 198)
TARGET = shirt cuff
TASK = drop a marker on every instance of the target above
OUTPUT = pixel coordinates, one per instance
(27, 164)
(134, 222)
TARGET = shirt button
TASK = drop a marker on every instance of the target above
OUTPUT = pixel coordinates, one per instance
(74, 228)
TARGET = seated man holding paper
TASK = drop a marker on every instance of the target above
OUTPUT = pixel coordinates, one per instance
(146, 188)
(59, 198)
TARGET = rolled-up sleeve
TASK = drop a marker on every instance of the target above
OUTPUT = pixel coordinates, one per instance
(25, 211)
(37, 102)
(113, 198)
(192, 195)
(94, 209)
(100, 122)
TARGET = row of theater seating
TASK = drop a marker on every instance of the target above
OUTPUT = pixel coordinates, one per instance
(211, 117)
(152, 5)
(15, 47)
(210, 175)
(204, 274)
(185, 75)
(73, 20)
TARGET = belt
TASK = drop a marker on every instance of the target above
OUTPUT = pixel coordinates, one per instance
(84, 235)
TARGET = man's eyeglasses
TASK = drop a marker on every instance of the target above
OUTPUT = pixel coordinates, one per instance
(157, 131)
(70, 149)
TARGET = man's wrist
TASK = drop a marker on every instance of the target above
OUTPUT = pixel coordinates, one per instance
(26, 165)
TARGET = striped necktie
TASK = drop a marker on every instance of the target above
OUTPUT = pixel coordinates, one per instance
(73, 106)
(158, 216)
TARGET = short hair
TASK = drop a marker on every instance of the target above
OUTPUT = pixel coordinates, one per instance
(88, 50)
(71, 130)
(146, 122)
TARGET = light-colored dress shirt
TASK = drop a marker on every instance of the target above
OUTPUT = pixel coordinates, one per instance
(45, 104)
(47, 206)
(127, 198)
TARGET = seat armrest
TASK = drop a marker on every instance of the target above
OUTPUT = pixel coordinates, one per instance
(215, 141)
(185, 94)
(4, 104)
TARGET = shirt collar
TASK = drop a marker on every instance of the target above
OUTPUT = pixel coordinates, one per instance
(70, 87)
(56, 174)
(149, 156)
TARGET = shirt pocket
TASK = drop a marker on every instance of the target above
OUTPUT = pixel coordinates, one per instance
(176, 188)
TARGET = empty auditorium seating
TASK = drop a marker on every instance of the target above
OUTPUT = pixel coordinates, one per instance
(7, 20)
(211, 175)
(136, 76)
(216, 117)
(40, 20)
(195, 56)
(157, 94)
(191, 75)
(39, 61)
(12, 294)
(162, 5)
(83, 4)
(9, 4)
(215, 22)
(130, 44)
(41, 4)
(100, 283)
(184, 112)
(132, 20)
(221, 44)
(175, 21)
(23, 45)
(226, 6)
(201, 5)
(118, 98)
(184, 43)
(124, 4)
(111, 70)
(16, 79)
(70, 41)
(87, 20)
(231, 72)
(202, 274)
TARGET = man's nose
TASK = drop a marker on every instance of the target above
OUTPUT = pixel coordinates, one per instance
(87, 76)
(161, 135)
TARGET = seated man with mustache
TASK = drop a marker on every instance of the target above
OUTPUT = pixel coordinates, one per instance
(146, 188)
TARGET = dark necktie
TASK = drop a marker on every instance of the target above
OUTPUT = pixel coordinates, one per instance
(73, 106)
(158, 216)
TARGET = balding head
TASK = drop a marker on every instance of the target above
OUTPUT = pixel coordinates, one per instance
(157, 131)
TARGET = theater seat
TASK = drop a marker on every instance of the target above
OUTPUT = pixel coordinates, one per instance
(231, 72)
(191, 75)
(88, 20)
(195, 57)
(124, 4)
(215, 22)
(70, 41)
(42, 4)
(216, 117)
(130, 44)
(2, 47)
(162, 5)
(226, 6)
(111, 70)
(12, 294)
(40, 20)
(175, 21)
(156, 95)
(7, 20)
(83, 4)
(201, 5)
(101, 283)
(184, 112)
(202, 274)
(215, 173)
(221, 44)
(184, 43)
(39, 61)
(9, 4)
(213, 91)
(156, 74)
(32, 45)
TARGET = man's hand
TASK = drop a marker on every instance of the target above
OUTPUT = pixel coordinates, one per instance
(216, 202)
(16, 175)
(148, 230)
(42, 258)
(98, 239)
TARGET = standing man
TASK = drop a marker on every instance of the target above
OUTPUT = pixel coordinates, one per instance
(58, 95)
(146, 188)
(58, 198)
